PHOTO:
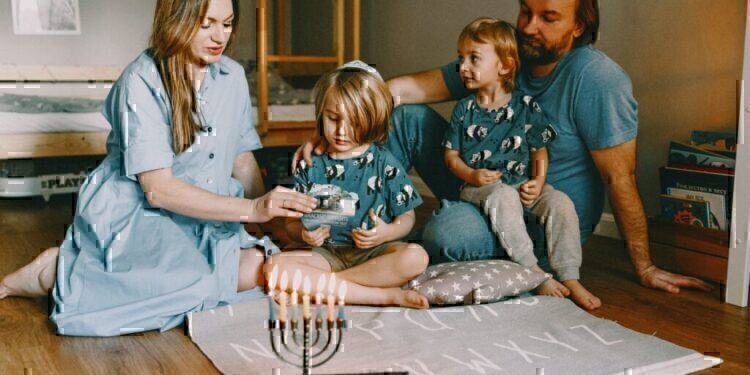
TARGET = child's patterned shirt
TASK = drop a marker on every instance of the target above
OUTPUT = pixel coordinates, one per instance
(501, 139)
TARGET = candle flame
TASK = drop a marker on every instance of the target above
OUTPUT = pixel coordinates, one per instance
(297, 280)
(284, 281)
(321, 284)
(272, 277)
(306, 286)
(332, 284)
(342, 291)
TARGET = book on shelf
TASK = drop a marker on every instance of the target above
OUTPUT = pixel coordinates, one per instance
(716, 204)
(335, 207)
(715, 140)
(683, 210)
(686, 154)
(698, 181)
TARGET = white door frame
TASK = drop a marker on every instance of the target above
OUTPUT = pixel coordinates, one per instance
(738, 268)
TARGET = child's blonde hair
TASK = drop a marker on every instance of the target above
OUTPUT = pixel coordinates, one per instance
(366, 99)
(500, 34)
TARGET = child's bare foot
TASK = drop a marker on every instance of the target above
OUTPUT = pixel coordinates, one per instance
(411, 299)
(582, 296)
(552, 288)
(34, 279)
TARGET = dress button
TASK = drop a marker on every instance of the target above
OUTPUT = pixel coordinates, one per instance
(209, 181)
(210, 130)
(211, 155)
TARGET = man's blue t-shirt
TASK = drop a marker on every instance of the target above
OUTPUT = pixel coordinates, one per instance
(349, 188)
(589, 99)
(499, 139)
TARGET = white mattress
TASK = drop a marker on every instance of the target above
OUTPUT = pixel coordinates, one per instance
(16, 123)
(23, 123)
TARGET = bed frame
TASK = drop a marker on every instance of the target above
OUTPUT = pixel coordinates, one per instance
(287, 133)
(35, 145)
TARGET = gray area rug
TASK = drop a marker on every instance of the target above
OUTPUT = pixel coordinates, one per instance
(534, 335)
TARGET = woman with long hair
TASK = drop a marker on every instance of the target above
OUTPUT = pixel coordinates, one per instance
(158, 227)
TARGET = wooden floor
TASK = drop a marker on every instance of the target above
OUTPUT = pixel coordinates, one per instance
(28, 344)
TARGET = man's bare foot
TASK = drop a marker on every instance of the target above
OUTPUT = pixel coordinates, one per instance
(34, 279)
(552, 288)
(410, 298)
(582, 296)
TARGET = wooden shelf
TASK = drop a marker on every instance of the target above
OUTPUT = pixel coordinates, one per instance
(694, 251)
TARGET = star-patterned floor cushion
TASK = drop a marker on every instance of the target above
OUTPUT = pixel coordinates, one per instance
(483, 281)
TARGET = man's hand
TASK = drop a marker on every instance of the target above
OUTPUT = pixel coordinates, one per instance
(369, 238)
(656, 278)
(317, 237)
(315, 144)
(530, 191)
(482, 177)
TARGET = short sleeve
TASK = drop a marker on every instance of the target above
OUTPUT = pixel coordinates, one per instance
(452, 137)
(453, 80)
(249, 139)
(606, 113)
(137, 112)
(402, 196)
(539, 130)
(302, 177)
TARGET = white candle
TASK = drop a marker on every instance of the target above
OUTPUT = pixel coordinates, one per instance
(306, 299)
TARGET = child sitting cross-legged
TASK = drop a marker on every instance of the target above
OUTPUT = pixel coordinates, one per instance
(365, 186)
(496, 144)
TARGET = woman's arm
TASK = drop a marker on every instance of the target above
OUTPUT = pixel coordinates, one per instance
(165, 191)
(246, 170)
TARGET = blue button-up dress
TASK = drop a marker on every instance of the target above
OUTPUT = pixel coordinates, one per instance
(127, 267)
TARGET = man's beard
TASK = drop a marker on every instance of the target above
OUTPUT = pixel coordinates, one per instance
(542, 54)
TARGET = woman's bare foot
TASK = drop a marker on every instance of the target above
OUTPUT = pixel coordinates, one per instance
(34, 279)
(410, 298)
(552, 288)
(582, 296)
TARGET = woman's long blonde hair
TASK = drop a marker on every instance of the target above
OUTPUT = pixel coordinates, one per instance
(175, 24)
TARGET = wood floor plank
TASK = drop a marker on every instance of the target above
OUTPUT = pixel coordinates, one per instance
(693, 319)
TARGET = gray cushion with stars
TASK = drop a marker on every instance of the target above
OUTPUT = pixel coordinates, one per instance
(482, 281)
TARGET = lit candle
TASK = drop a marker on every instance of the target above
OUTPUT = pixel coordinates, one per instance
(294, 298)
(342, 293)
(271, 284)
(319, 290)
(331, 299)
(282, 296)
(306, 299)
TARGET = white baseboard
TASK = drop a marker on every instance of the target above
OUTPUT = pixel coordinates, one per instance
(608, 227)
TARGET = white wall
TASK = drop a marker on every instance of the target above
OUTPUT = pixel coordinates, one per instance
(112, 32)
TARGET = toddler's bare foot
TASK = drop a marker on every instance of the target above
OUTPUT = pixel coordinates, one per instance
(34, 279)
(552, 288)
(411, 299)
(582, 296)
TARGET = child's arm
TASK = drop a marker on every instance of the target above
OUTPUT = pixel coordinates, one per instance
(383, 232)
(476, 177)
(531, 189)
(298, 233)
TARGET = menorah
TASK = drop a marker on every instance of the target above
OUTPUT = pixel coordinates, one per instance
(288, 339)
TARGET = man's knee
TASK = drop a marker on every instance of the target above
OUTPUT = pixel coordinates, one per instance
(458, 231)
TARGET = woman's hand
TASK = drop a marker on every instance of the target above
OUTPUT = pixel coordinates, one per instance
(482, 177)
(316, 143)
(281, 202)
(317, 237)
(530, 191)
(369, 238)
